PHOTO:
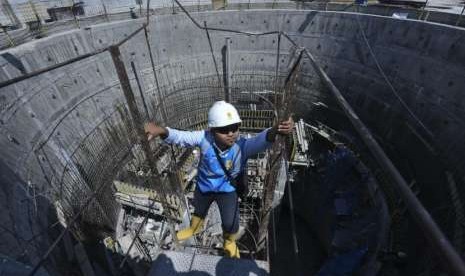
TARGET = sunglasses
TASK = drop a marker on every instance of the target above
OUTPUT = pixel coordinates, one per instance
(227, 129)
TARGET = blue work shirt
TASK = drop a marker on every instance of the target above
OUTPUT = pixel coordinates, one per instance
(211, 176)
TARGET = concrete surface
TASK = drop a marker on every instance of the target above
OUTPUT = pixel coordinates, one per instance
(60, 130)
(171, 263)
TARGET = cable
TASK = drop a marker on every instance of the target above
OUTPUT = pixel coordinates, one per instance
(211, 51)
(380, 69)
(253, 238)
(221, 29)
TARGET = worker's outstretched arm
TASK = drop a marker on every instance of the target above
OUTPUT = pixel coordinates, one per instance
(283, 128)
(174, 136)
(265, 138)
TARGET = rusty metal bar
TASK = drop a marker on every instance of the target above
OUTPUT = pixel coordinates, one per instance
(279, 150)
(277, 70)
(133, 66)
(129, 95)
(50, 68)
(56, 66)
(132, 105)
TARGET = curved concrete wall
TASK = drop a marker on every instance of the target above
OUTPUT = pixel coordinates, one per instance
(21, 36)
(60, 130)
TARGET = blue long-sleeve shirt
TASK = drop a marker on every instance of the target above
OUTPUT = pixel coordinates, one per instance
(211, 176)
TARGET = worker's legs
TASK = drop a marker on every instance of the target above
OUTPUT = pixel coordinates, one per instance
(229, 210)
(201, 204)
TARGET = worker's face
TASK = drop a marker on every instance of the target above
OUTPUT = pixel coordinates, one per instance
(226, 136)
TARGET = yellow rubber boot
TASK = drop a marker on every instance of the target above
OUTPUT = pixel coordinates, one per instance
(230, 246)
(196, 227)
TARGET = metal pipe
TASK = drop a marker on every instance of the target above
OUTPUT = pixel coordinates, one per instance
(147, 116)
(293, 227)
(50, 68)
(56, 66)
(144, 25)
(277, 70)
(452, 260)
(227, 87)
(132, 105)
(273, 225)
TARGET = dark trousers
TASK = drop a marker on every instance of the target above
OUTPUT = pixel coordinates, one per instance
(227, 203)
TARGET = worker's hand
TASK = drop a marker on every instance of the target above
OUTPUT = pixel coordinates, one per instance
(153, 131)
(285, 127)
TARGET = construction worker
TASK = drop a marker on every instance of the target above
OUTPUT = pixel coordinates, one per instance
(223, 156)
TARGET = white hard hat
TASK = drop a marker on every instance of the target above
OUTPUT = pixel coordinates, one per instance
(222, 114)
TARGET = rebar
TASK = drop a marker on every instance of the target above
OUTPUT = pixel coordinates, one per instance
(147, 115)
(73, 220)
(276, 78)
(211, 51)
(121, 265)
